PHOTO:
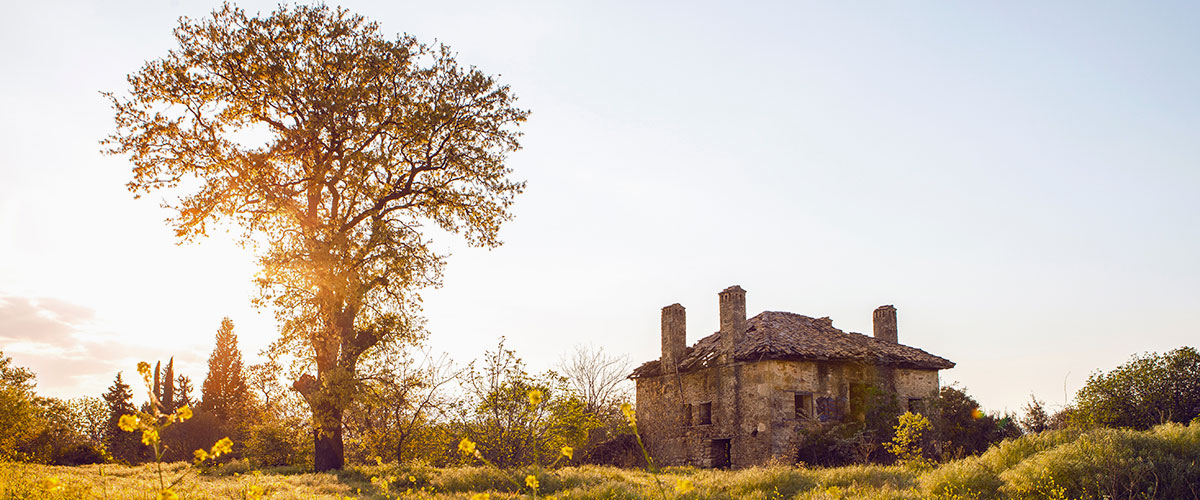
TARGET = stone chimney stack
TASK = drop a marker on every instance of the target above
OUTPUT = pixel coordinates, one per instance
(885, 324)
(733, 318)
(674, 337)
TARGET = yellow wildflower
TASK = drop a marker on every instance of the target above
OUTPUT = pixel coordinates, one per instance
(128, 423)
(531, 481)
(149, 437)
(221, 447)
(200, 455)
(535, 397)
(568, 452)
(627, 409)
(183, 413)
(466, 447)
(167, 495)
(481, 496)
(412, 479)
(144, 368)
(50, 483)
(684, 486)
(254, 492)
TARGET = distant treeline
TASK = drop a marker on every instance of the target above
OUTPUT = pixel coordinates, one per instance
(409, 406)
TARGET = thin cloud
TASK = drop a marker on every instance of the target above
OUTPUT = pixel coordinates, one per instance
(41, 320)
(64, 345)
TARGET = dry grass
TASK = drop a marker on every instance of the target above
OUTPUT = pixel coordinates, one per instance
(1160, 463)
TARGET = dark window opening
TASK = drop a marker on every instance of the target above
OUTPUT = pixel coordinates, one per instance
(687, 415)
(705, 413)
(856, 405)
(804, 406)
(721, 453)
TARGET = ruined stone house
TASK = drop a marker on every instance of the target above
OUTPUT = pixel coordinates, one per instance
(742, 396)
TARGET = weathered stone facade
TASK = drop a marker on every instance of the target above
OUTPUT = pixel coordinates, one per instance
(741, 396)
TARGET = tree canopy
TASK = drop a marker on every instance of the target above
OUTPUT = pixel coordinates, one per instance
(334, 149)
(1148, 390)
(17, 407)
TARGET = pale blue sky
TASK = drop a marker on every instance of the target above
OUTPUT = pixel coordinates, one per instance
(1019, 179)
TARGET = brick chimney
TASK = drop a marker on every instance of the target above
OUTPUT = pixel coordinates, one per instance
(885, 324)
(674, 337)
(733, 318)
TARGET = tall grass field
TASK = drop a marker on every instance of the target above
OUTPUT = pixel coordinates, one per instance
(1161, 463)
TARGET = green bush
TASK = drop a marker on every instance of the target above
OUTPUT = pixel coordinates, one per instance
(236, 466)
(78, 454)
(197, 433)
(275, 444)
(831, 444)
(1148, 390)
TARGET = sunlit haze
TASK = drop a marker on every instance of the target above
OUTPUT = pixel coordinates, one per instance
(1019, 179)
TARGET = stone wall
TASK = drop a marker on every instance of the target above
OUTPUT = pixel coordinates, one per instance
(914, 384)
(754, 406)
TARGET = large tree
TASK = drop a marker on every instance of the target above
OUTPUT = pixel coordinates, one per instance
(333, 148)
(225, 393)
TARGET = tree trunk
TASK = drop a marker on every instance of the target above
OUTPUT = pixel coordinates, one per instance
(327, 440)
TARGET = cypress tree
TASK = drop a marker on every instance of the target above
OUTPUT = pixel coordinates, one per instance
(168, 390)
(158, 383)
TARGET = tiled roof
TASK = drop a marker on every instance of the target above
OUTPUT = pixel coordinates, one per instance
(784, 335)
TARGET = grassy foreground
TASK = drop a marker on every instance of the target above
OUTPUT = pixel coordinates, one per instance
(1163, 462)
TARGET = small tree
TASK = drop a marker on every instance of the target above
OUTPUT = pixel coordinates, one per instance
(598, 378)
(121, 445)
(184, 397)
(397, 397)
(962, 427)
(600, 381)
(88, 416)
(516, 418)
(1035, 419)
(911, 436)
